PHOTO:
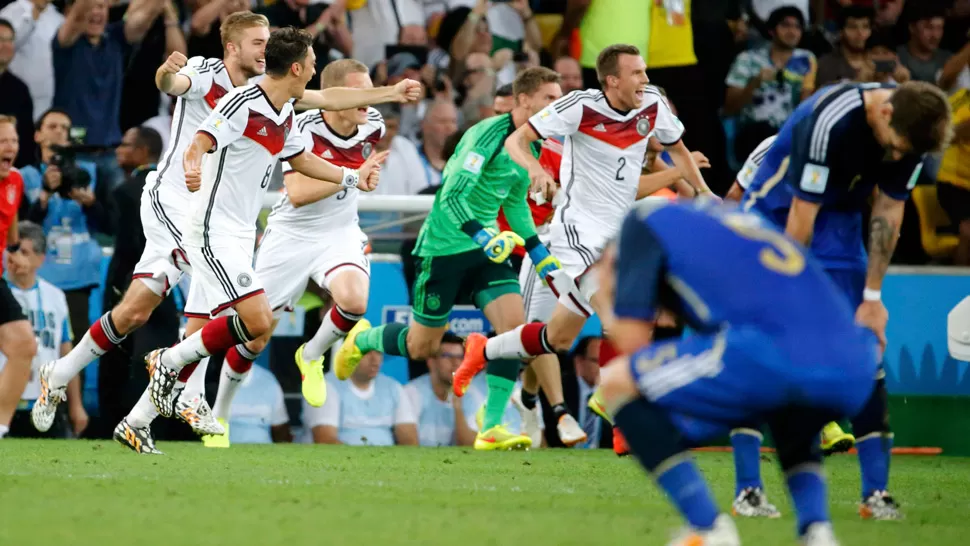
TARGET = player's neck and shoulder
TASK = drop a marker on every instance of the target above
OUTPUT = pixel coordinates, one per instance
(255, 96)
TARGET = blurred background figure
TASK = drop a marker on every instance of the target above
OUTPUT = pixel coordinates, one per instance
(441, 418)
(258, 412)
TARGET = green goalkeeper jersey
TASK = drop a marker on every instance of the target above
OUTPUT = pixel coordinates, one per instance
(479, 179)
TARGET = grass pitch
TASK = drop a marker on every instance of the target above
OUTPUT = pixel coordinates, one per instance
(96, 493)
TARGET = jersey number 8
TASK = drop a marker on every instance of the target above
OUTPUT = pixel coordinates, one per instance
(781, 255)
(267, 176)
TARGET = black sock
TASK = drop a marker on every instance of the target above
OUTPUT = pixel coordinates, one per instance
(529, 399)
(559, 410)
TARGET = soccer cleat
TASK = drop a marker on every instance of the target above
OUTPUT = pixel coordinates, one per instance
(138, 440)
(597, 406)
(836, 440)
(197, 414)
(473, 363)
(45, 407)
(619, 443)
(222, 440)
(880, 506)
(753, 503)
(569, 431)
(530, 418)
(724, 533)
(311, 373)
(349, 354)
(819, 534)
(499, 438)
(161, 383)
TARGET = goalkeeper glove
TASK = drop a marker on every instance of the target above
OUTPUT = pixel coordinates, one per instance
(544, 262)
(497, 246)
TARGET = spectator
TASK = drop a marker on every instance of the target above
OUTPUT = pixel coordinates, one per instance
(478, 88)
(504, 101)
(441, 419)
(922, 55)
(89, 66)
(597, 25)
(162, 123)
(46, 309)
(204, 38)
(258, 412)
(400, 66)
(570, 72)
(849, 60)
(368, 409)
(16, 97)
(35, 23)
(883, 64)
(765, 84)
(953, 189)
(69, 201)
(439, 123)
(380, 23)
(326, 22)
(403, 172)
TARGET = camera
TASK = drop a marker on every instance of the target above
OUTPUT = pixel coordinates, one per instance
(72, 176)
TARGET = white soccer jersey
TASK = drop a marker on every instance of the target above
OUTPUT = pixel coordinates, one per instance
(746, 174)
(603, 153)
(250, 135)
(45, 306)
(339, 210)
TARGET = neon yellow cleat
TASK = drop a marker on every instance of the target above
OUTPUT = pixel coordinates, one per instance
(598, 407)
(499, 438)
(836, 440)
(480, 416)
(218, 441)
(349, 355)
(314, 384)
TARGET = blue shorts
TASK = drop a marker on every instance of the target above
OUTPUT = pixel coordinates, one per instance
(851, 283)
(711, 383)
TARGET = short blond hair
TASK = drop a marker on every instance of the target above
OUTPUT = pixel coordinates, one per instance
(8, 119)
(238, 22)
(335, 73)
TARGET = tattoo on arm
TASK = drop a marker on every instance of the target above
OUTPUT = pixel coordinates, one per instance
(883, 234)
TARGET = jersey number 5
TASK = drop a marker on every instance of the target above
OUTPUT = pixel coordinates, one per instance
(780, 255)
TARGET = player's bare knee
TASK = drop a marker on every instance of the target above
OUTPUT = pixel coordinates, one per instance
(258, 323)
(21, 346)
(257, 345)
(560, 341)
(129, 315)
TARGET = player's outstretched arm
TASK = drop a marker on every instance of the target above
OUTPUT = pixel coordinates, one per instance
(365, 178)
(167, 78)
(140, 16)
(684, 161)
(344, 98)
(303, 190)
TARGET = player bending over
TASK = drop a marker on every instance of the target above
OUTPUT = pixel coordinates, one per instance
(460, 253)
(754, 356)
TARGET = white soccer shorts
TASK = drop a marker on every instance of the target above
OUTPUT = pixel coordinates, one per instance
(539, 299)
(162, 214)
(577, 249)
(196, 305)
(223, 274)
(285, 263)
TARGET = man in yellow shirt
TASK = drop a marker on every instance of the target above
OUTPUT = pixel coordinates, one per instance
(953, 189)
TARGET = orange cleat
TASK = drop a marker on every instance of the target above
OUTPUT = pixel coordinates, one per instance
(473, 363)
(619, 443)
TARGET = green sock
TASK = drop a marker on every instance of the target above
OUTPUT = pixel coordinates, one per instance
(390, 339)
(500, 375)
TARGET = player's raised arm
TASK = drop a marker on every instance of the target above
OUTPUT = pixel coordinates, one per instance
(345, 98)
(176, 75)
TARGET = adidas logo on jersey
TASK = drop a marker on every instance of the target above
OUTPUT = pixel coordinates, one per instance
(600, 128)
(327, 154)
(262, 131)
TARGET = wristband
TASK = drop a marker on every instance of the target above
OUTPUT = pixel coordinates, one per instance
(482, 237)
(350, 178)
(871, 295)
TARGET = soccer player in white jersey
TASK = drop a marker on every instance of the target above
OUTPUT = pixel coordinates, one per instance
(606, 136)
(746, 174)
(198, 84)
(313, 232)
(249, 130)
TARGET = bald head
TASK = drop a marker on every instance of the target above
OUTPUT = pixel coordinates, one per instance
(572, 75)
(440, 122)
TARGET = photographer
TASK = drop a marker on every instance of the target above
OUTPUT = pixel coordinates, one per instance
(67, 200)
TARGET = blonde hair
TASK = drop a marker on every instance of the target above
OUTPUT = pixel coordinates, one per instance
(238, 22)
(336, 72)
(8, 119)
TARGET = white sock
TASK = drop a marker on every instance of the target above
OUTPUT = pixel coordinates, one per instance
(86, 350)
(4, 429)
(190, 349)
(229, 382)
(143, 413)
(195, 386)
(507, 345)
(335, 326)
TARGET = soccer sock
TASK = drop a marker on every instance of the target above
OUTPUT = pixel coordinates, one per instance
(186, 373)
(143, 413)
(608, 352)
(100, 338)
(335, 326)
(238, 362)
(747, 459)
(559, 410)
(874, 441)
(390, 339)
(657, 444)
(500, 376)
(195, 386)
(529, 399)
(520, 342)
(806, 485)
(217, 335)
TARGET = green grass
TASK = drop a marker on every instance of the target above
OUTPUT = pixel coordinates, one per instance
(79, 492)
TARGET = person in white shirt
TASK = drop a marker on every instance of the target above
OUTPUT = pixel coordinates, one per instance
(403, 173)
(35, 23)
(380, 23)
(440, 122)
(258, 412)
(440, 415)
(370, 409)
(45, 306)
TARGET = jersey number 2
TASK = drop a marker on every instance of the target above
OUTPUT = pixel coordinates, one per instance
(780, 255)
(619, 170)
(267, 176)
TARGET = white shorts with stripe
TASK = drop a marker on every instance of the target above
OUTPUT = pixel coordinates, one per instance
(222, 274)
(164, 259)
(577, 248)
(285, 263)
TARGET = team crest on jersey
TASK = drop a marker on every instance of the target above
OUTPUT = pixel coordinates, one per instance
(643, 126)
(433, 302)
(244, 280)
(11, 194)
(366, 150)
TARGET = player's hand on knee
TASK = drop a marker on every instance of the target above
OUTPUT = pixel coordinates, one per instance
(545, 263)
(498, 246)
(874, 316)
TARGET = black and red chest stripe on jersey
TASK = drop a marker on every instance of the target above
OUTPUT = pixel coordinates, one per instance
(351, 157)
(266, 132)
(215, 93)
(621, 134)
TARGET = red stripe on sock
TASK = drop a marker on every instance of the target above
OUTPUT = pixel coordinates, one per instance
(187, 371)
(608, 352)
(99, 337)
(531, 338)
(342, 323)
(237, 362)
(216, 335)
